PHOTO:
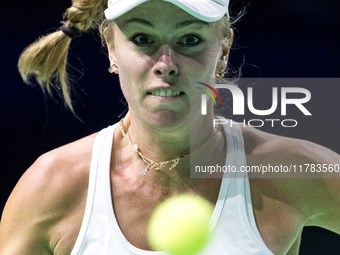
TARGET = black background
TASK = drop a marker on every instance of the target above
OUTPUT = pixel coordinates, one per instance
(275, 38)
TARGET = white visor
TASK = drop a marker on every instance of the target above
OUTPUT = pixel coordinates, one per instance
(206, 10)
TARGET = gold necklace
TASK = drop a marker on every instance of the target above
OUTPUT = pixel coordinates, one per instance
(154, 165)
(151, 165)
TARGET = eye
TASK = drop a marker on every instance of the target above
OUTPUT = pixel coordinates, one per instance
(142, 39)
(190, 40)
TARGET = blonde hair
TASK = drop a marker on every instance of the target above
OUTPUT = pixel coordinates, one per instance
(46, 58)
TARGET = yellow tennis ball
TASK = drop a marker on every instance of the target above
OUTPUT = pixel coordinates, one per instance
(180, 225)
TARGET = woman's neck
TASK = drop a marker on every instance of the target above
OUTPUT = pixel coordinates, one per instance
(166, 143)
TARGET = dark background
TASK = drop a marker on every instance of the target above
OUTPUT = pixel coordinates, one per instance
(275, 38)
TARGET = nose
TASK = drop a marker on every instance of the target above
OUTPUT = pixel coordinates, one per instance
(166, 66)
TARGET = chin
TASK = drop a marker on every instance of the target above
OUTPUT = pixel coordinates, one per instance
(169, 119)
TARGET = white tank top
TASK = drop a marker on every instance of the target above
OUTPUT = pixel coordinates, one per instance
(232, 222)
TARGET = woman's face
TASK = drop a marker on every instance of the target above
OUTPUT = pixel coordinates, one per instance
(161, 51)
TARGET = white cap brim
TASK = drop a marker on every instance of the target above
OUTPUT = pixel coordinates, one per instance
(206, 10)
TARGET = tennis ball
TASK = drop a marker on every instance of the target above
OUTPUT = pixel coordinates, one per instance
(180, 225)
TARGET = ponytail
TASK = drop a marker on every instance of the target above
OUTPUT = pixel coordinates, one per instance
(46, 58)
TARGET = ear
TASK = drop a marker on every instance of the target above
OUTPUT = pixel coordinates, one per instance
(112, 57)
(226, 45)
(111, 52)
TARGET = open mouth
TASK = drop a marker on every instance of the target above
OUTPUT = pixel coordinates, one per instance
(165, 92)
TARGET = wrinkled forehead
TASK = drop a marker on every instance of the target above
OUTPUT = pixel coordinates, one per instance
(159, 14)
(205, 10)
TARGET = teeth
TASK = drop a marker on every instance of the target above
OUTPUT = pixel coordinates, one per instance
(155, 92)
(168, 93)
(165, 92)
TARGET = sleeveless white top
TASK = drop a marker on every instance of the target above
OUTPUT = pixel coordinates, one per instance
(232, 222)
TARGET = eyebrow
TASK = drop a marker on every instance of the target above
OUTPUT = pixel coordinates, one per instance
(179, 25)
(140, 21)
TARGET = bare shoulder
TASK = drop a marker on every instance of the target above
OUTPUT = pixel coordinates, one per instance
(280, 149)
(311, 183)
(59, 172)
(52, 188)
